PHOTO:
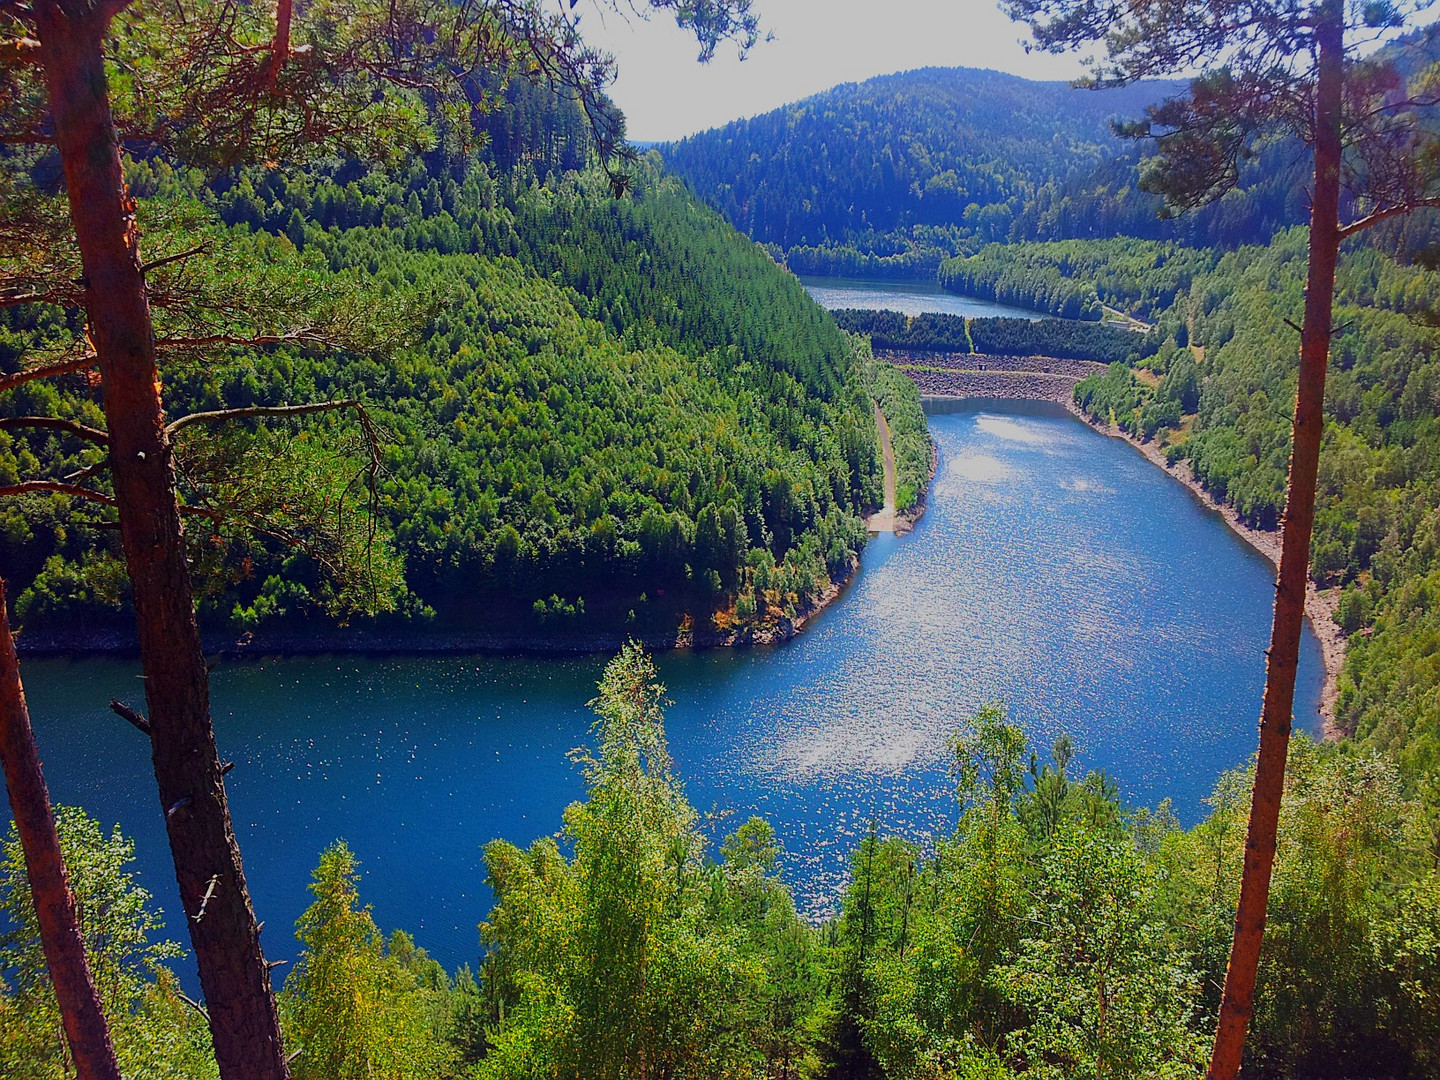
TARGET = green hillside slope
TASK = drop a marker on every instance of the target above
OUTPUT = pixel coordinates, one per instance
(1223, 403)
(890, 175)
(619, 414)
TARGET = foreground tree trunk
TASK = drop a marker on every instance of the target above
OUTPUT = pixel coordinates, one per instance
(1239, 998)
(86, 1031)
(243, 1020)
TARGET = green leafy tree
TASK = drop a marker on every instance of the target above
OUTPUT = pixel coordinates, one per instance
(1292, 69)
(156, 1031)
(1103, 993)
(634, 957)
(938, 1007)
(355, 1009)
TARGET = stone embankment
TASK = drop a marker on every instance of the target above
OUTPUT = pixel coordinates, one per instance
(1031, 378)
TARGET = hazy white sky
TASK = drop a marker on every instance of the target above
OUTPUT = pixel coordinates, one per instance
(817, 43)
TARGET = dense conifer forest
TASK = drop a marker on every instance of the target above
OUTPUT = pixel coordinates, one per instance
(1076, 279)
(1068, 338)
(888, 177)
(578, 411)
(536, 453)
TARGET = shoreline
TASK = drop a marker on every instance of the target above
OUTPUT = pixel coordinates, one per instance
(413, 641)
(887, 519)
(906, 520)
(1319, 605)
(402, 641)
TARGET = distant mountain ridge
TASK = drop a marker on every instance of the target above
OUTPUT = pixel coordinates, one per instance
(925, 163)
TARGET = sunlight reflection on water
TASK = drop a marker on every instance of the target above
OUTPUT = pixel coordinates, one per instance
(1134, 623)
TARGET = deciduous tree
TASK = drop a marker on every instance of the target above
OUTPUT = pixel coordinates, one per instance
(1297, 69)
(218, 84)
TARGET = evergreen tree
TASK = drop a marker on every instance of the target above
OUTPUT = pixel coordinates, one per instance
(1287, 69)
(229, 87)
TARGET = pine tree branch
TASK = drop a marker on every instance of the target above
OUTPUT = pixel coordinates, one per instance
(252, 411)
(1376, 217)
(199, 249)
(94, 435)
(67, 295)
(29, 487)
(56, 487)
(188, 1000)
(127, 713)
(47, 371)
(305, 336)
(86, 473)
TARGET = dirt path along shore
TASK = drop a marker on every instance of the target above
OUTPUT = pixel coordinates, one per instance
(883, 520)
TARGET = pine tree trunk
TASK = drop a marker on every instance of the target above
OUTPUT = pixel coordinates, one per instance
(1239, 998)
(84, 1021)
(244, 1024)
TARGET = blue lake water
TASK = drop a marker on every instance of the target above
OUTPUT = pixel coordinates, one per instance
(907, 297)
(1055, 570)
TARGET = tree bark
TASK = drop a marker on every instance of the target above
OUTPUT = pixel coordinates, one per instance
(1238, 1001)
(244, 1024)
(86, 1030)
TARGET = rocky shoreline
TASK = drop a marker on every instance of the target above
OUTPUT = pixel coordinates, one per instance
(1320, 605)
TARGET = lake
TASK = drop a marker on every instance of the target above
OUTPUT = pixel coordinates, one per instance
(1055, 570)
(907, 297)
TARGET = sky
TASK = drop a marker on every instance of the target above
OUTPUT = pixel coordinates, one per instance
(817, 43)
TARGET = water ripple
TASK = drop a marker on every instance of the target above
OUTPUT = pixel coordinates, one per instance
(1134, 624)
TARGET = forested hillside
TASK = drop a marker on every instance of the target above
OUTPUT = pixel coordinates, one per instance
(889, 176)
(607, 413)
(1223, 404)
(1065, 338)
(1074, 278)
